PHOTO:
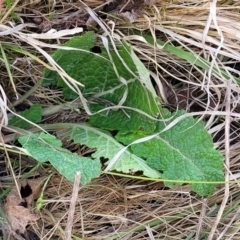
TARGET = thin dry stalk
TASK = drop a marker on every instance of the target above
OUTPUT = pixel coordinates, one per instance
(202, 216)
(3, 123)
(227, 161)
(68, 230)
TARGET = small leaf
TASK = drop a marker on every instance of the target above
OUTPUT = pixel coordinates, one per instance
(19, 208)
(33, 114)
(45, 147)
(184, 152)
(106, 146)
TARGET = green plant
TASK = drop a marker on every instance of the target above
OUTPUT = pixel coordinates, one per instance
(127, 124)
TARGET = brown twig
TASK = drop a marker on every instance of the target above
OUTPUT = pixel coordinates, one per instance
(68, 229)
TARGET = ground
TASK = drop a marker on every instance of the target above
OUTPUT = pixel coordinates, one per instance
(113, 206)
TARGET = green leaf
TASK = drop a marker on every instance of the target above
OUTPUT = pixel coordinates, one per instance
(45, 147)
(70, 60)
(144, 74)
(138, 97)
(33, 114)
(183, 153)
(106, 146)
(108, 79)
(127, 120)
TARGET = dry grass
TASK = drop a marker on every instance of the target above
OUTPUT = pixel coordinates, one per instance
(113, 207)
